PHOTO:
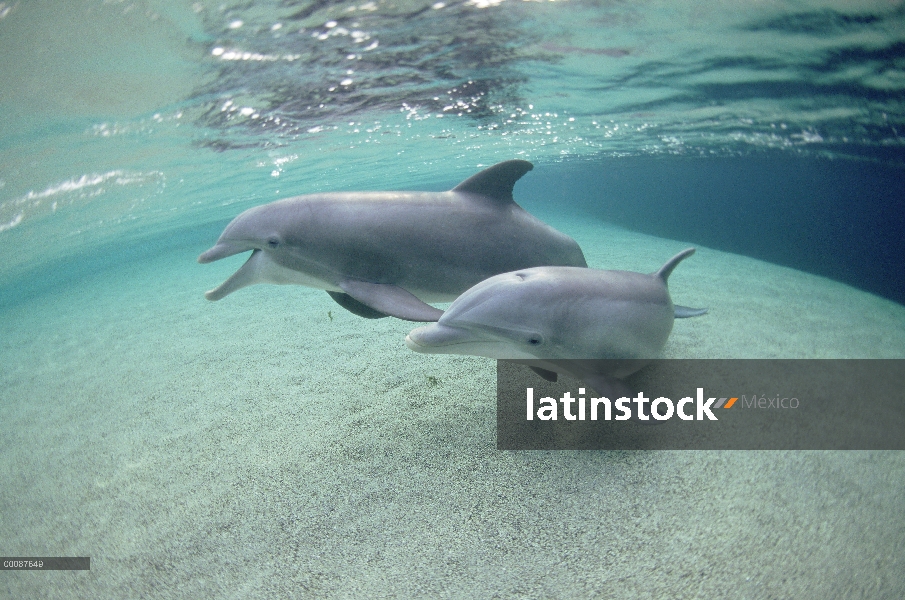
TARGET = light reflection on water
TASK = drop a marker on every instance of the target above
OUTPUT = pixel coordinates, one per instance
(711, 75)
(245, 103)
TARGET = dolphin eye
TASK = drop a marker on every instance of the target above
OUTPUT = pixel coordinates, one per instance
(533, 338)
(273, 242)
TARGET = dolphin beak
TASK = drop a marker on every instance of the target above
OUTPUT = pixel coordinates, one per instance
(434, 338)
(248, 274)
(222, 250)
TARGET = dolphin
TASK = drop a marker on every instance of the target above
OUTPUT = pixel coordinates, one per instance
(591, 324)
(390, 253)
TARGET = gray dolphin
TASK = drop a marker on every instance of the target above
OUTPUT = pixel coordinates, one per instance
(388, 253)
(588, 323)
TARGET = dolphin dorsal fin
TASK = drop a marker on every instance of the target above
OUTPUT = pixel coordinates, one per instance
(496, 182)
(672, 263)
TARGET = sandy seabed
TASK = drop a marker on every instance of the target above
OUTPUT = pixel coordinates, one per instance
(273, 444)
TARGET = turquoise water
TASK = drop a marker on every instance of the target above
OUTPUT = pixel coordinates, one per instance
(273, 444)
(141, 117)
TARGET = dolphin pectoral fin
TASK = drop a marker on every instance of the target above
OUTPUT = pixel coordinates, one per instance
(607, 385)
(248, 274)
(355, 307)
(390, 300)
(544, 373)
(683, 312)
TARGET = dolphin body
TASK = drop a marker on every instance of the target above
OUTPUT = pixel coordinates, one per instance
(593, 325)
(389, 253)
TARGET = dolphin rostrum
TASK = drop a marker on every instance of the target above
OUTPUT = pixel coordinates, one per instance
(587, 323)
(388, 253)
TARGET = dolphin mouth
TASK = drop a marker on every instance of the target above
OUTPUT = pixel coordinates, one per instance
(223, 250)
(436, 337)
(247, 274)
(444, 339)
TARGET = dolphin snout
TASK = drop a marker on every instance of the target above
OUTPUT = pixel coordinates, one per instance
(433, 338)
(222, 250)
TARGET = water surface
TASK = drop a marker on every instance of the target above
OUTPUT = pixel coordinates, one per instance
(272, 444)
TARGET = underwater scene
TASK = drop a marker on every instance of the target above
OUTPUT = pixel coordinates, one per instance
(240, 240)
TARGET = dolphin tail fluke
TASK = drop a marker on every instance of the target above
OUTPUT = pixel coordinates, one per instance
(684, 312)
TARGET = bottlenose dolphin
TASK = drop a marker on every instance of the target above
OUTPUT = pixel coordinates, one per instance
(588, 323)
(388, 253)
